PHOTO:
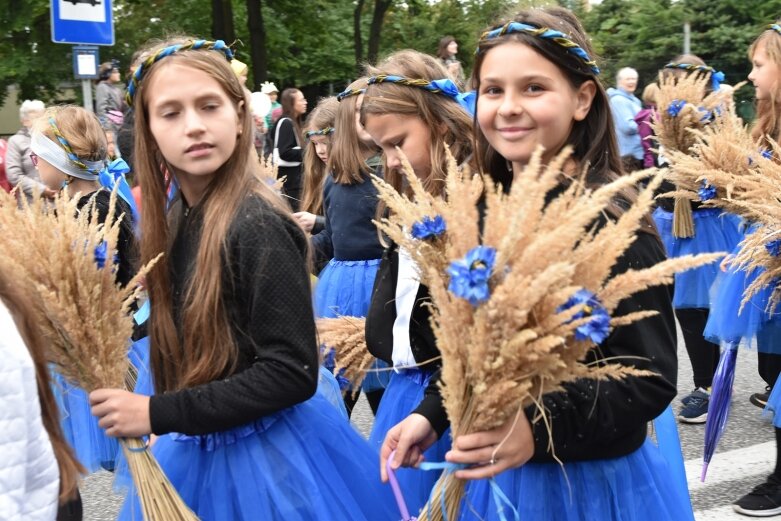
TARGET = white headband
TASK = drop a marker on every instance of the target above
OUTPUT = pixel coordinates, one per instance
(56, 156)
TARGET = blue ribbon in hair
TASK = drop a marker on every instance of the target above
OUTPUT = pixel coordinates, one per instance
(114, 175)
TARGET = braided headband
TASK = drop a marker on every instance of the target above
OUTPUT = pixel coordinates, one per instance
(716, 77)
(774, 27)
(349, 92)
(59, 158)
(445, 86)
(327, 131)
(205, 45)
(544, 33)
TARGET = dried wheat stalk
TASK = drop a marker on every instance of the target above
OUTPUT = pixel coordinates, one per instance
(52, 251)
(347, 337)
(520, 343)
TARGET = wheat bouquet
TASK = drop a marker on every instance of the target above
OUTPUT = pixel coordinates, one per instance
(518, 305)
(686, 107)
(65, 260)
(345, 338)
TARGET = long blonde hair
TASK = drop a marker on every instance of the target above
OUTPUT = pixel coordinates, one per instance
(206, 349)
(347, 160)
(768, 110)
(323, 116)
(435, 110)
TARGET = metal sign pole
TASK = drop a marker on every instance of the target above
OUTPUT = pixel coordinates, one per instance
(86, 92)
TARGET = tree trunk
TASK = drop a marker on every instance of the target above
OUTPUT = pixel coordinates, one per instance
(222, 21)
(257, 42)
(357, 38)
(380, 8)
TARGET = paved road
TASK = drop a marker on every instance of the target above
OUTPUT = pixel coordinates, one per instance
(744, 458)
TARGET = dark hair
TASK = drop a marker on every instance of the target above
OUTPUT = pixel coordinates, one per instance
(442, 52)
(288, 99)
(593, 139)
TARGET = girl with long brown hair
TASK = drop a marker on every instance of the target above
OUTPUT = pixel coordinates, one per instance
(287, 153)
(596, 430)
(319, 133)
(411, 107)
(232, 335)
(349, 243)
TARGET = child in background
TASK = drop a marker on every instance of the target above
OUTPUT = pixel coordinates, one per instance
(599, 431)
(403, 116)
(349, 242)
(319, 133)
(232, 335)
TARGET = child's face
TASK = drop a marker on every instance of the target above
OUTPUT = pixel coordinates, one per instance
(52, 177)
(764, 73)
(321, 146)
(519, 108)
(408, 133)
(194, 123)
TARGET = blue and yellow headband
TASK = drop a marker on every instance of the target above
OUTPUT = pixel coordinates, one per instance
(349, 92)
(544, 33)
(774, 27)
(206, 45)
(327, 131)
(445, 86)
(716, 77)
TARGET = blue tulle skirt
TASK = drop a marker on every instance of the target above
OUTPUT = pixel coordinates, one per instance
(636, 487)
(714, 231)
(773, 407)
(300, 464)
(403, 394)
(92, 447)
(139, 358)
(345, 289)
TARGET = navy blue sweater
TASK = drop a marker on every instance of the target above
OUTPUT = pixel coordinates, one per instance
(349, 232)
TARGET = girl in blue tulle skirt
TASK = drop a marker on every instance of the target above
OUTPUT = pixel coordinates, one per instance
(240, 431)
(397, 326)
(592, 458)
(349, 241)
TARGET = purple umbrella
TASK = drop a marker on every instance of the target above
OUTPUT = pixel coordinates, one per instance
(720, 401)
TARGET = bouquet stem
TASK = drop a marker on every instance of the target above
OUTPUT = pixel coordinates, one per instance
(158, 497)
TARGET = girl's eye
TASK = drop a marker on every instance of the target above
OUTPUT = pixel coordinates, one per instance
(210, 106)
(492, 90)
(534, 88)
(169, 115)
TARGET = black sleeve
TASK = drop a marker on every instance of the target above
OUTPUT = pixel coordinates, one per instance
(432, 406)
(322, 242)
(602, 419)
(319, 224)
(289, 149)
(273, 297)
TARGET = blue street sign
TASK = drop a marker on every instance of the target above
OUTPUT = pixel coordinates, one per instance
(88, 22)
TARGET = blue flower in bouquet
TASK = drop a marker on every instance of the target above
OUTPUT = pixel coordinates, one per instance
(101, 254)
(598, 327)
(329, 359)
(766, 153)
(675, 107)
(774, 247)
(707, 115)
(344, 383)
(469, 276)
(428, 227)
(706, 191)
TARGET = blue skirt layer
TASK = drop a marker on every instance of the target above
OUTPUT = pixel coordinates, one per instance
(345, 289)
(139, 358)
(403, 395)
(92, 447)
(714, 231)
(300, 464)
(773, 407)
(636, 487)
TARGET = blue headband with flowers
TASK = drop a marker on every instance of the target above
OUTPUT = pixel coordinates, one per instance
(716, 77)
(445, 86)
(545, 33)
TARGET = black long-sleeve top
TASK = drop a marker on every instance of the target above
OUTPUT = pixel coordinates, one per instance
(349, 232)
(291, 155)
(589, 420)
(266, 293)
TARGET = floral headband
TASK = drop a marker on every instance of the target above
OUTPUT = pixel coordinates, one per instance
(445, 86)
(327, 131)
(716, 77)
(544, 33)
(206, 45)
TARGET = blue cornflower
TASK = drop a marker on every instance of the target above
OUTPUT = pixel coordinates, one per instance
(101, 253)
(675, 107)
(469, 276)
(774, 247)
(598, 327)
(429, 227)
(767, 153)
(707, 115)
(706, 191)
